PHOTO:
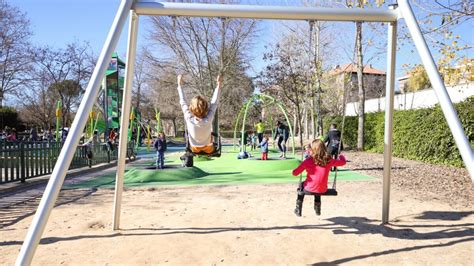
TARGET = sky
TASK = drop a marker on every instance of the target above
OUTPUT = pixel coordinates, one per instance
(58, 22)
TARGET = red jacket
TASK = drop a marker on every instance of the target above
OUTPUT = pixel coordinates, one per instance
(317, 176)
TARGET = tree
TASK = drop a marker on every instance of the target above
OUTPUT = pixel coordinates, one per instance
(69, 91)
(202, 48)
(418, 79)
(141, 75)
(58, 74)
(439, 22)
(360, 84)
(360, 70)
(15, 46)
(38, 105)
(286, 76)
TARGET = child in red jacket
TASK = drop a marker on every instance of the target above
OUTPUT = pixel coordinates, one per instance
(317, 171)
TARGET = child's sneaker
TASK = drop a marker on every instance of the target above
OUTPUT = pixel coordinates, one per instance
(317, 208)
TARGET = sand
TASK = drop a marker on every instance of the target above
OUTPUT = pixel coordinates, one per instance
(246, 225)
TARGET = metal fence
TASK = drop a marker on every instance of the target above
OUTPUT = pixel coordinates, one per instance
(22, 160)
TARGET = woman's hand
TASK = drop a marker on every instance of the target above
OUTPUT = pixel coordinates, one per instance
(180, 80)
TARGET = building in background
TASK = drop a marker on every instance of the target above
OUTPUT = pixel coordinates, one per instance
(345, 77)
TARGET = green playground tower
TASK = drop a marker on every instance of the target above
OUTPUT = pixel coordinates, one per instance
(113, 92)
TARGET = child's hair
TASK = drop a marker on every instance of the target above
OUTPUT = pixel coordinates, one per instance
(319, 153)
(161, 134)
(266, 136)
(307, 147)
(199, 107)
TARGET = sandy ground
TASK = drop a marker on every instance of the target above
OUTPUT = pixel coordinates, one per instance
(247, 225)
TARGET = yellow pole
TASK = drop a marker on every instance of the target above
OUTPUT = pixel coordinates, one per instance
(148, 136)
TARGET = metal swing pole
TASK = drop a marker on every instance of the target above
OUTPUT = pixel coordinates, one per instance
(67, 152)
(125, 117)
(389, 95)
(445, 102)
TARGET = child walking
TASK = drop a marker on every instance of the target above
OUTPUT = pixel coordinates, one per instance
(160, 146)
(317, 171)
(198, 116)
(264, 147)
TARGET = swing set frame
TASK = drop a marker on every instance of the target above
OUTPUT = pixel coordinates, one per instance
(133, 8)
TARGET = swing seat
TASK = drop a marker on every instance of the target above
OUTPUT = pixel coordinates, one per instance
(329, 192)
(217, 147)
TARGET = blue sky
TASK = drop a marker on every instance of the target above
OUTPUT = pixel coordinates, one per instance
(58, 22)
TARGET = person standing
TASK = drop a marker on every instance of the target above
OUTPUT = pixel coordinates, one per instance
(264, 148)
(160, 146)
(260, 128)
(282, 134)
(33, 134)
(333, 141)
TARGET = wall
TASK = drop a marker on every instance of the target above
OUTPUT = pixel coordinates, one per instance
(416, 100)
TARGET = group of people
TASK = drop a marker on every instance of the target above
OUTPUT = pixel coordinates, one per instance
(321, 154)
(282, 134)
(9, 134)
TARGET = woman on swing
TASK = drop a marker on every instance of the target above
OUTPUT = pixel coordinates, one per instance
(198, 116)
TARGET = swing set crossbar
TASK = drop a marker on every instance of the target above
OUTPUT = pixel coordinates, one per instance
(156, 8)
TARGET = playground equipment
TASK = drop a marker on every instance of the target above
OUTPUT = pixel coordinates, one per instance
(58, 119)
(112, 92)
(148, 7)
(266, 101)
(158, 120)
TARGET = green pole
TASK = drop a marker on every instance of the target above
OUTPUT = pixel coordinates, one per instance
(237, 123)
(148, 137)
(91, 116)
(138, 135)
(158, 121)
(96, 121)
(271, 126)
(158, 125)
(58, 119)
(243, 122)
(132, 119)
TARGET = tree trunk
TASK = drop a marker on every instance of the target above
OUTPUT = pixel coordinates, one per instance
(360, 83)
(294, 122)
(313, 123)
(1, 98)
(175, 130)
(305, 117)
(138, 96)
(318, 69)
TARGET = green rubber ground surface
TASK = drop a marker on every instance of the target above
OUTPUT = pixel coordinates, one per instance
(225, 170)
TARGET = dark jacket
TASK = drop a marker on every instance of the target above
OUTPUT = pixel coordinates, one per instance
(333, 139)
(160, 145)
(283, 131)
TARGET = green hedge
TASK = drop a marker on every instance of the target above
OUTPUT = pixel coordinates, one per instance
(421, 134)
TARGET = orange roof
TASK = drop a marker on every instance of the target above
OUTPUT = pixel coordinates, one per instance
(353, 68)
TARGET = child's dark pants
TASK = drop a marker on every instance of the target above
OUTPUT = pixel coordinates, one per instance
(299, 203)
(282, 144)
(160, 159)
